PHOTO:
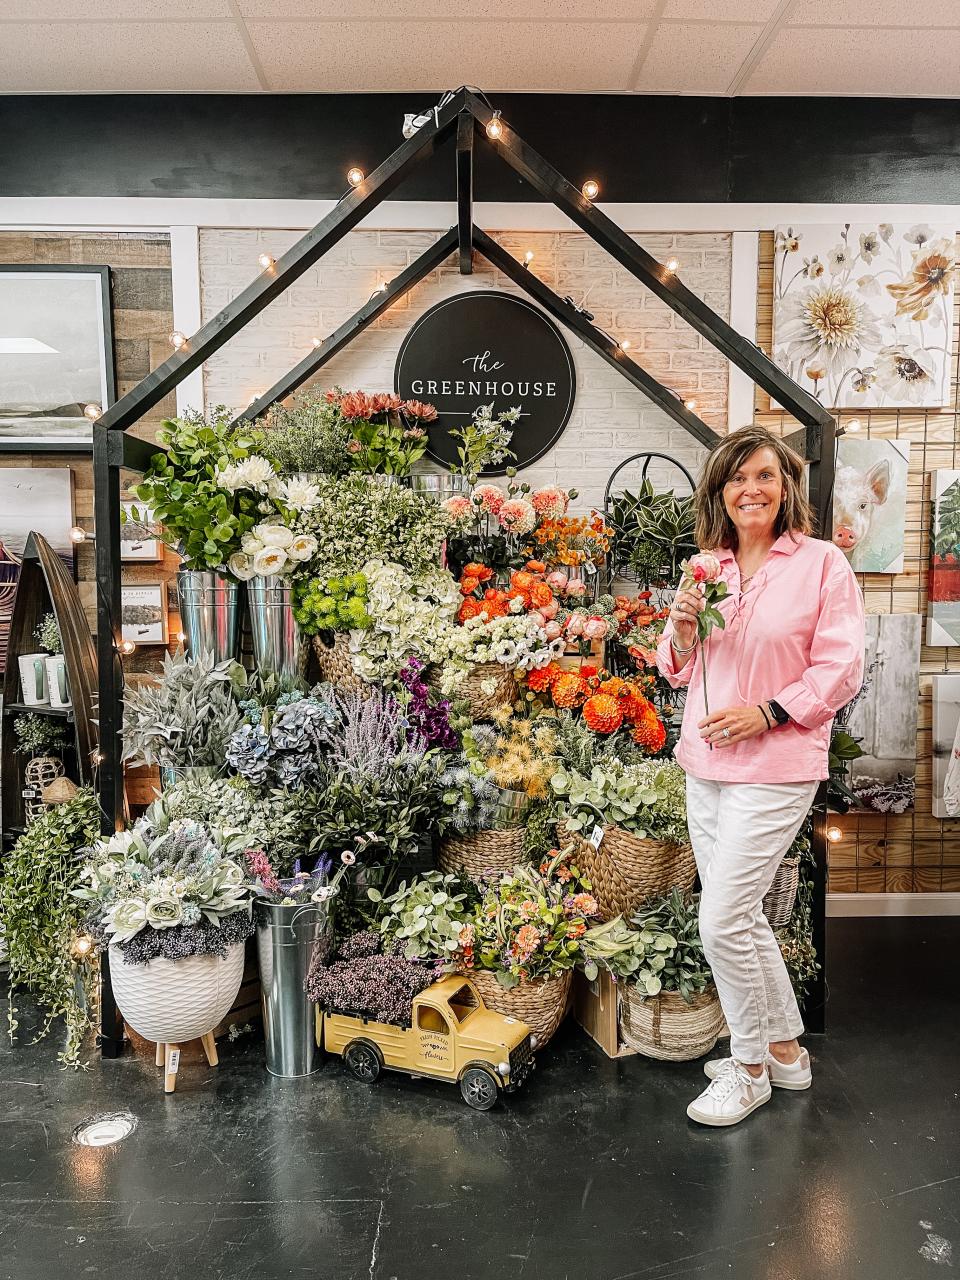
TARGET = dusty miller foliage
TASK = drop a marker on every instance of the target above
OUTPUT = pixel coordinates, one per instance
(188, 717)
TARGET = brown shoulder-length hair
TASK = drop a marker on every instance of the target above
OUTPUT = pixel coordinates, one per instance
(714, 527)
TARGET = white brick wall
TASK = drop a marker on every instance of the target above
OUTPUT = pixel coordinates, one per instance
(610, 419)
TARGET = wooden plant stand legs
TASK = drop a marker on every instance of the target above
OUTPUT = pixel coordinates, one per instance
(168, 1057)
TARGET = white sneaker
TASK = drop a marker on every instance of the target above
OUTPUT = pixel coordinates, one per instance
(783, 1075)
(731, 1095)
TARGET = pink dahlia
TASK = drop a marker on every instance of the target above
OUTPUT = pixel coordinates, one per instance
(551, 501)
(458, 506)
(490, 496)
(518, 516)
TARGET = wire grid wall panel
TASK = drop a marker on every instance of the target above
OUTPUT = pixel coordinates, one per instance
(912, 852)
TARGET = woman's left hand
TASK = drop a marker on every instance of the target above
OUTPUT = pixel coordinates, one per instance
(742, 723)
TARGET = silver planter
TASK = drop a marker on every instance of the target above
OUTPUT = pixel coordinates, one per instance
(286, 937)
(278, 647)
(440, 485)
(209, 613)
(512, 808)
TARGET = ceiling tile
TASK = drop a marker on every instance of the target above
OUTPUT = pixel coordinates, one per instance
(881, 63)
(874, 13)
(125, 57)
(719, 10)
(696, 59)
(328, 57)
(115, 10)
(372, 11)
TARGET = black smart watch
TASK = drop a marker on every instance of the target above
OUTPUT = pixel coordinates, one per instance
(778, 712)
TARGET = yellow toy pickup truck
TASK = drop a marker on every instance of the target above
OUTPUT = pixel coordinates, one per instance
(452, 1036)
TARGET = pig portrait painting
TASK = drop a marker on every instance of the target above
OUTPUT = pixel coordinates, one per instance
(870, 503)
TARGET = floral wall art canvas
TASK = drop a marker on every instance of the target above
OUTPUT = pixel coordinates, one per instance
(870, 502)
(943, 596)
(863, 313)
(946, 746)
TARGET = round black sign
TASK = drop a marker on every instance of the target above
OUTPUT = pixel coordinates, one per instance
(486, 347)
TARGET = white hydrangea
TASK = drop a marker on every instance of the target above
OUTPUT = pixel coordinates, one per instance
(254, 473)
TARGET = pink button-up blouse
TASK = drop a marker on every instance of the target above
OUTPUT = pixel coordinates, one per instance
(796, 636)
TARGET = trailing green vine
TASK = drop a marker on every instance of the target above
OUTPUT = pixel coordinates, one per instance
(42, 920)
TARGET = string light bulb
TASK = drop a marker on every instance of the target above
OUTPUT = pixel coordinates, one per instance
(77, 535)
(354, 176)
(92, 411)
(528, 257)
(590, 189)
(381, 287)
(180, 637)
(178, 339)
(672, 264)
(834, 834)
(625, 344)
(82, 946)
(690, 404)
(495, 127)
(126, 647)
(254, 398)
(316, 342)
(267, 261)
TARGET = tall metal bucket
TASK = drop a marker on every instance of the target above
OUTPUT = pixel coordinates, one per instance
(439, 485)
(209, 613)
(278, 647)
(286, 937)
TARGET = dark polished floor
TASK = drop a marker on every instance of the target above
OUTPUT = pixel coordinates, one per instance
(592, 1172)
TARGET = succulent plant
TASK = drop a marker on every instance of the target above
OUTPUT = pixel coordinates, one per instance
(685, 969)
(647, 799)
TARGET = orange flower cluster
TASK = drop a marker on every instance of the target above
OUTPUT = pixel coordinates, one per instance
(606, 702)
(572, 540)
(637, 612)
(526, 584)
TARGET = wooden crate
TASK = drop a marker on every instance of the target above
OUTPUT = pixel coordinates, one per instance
(596, 1007)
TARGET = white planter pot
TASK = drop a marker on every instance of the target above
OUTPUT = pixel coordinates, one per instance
(172, 1001)
(57, 686)
(33, 679)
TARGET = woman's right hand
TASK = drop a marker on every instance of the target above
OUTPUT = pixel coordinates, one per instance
(683, 615)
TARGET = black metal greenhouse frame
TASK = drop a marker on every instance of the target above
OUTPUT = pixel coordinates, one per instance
(464, 116)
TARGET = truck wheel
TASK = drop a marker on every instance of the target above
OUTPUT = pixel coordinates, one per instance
(363, 1061)
(479, 1088)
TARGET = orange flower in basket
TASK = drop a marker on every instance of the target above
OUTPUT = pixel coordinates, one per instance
(602, 713)
(649, 731)
(589, 672)
(535, 566)
(468, 585)
(568, 690)
(540, 594)
(541, 680)
(479, 571)
(469, 609)
(521, 581)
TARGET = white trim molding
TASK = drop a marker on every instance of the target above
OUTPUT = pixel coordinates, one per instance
(185, 283)
(893, 904)
(744, 265)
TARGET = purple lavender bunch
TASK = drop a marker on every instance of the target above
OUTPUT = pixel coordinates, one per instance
(428, 721)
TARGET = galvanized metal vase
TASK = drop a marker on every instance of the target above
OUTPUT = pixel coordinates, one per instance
(286, 937)
(209, 613)
(278, 647)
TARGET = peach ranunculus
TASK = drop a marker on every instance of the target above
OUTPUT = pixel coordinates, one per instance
(703, 567)
(575, 624)
(552, 629)
(550, 609)
(535, 566)
(417, 409)
(557, 580)
(540, 594)
(576, 587)
(595, 629)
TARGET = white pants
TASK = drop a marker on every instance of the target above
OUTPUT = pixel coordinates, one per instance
(740, 832)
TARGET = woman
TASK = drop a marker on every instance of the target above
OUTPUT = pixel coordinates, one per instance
(789, 655)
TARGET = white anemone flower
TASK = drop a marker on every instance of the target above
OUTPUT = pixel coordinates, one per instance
(240, 565)
(905, 373)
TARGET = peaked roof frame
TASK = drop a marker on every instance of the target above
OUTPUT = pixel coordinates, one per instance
(463, 115)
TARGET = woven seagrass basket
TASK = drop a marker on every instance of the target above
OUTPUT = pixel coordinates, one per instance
(336, 666)
(779, 900)
(626, 870)
(541, 1004)
(668, 1028)
(482, 852)
(482, 704)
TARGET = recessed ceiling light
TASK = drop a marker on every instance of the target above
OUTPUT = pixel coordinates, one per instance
(104, 1131)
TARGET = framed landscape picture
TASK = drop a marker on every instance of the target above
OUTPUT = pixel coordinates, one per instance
(32, 500)
(138, 536)
(863, 312)
(143, 613)
(943, 596)
(56, 351)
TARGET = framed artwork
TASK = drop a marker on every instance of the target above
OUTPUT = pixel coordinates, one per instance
(870, 502)
(863, 312)
(143, 613)
(946, 746)
(943, 596)
(885, 714)
(56, 352)
(32, 500)
(138, 535)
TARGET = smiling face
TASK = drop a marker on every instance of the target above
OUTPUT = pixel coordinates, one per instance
(753, 494)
